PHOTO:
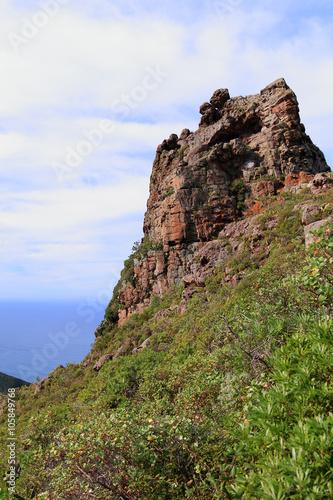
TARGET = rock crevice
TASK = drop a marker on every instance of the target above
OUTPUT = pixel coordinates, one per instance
(245, 149)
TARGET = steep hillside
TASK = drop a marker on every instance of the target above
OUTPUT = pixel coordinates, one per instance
(6, 382)
(211, 375)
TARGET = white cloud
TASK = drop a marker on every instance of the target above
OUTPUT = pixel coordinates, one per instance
(79, 62)
(56, 209)
(66, 80)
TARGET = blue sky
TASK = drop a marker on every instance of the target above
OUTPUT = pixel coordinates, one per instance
(124, 76)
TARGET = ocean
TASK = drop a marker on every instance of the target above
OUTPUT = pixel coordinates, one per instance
(35, 337)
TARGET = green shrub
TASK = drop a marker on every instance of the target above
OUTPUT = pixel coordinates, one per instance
(168, 192)
(180, 152)
(238, 191)
(287, 441)
(316, 277)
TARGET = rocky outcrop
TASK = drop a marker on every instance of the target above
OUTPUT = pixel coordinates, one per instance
(186, 295)
(192, 280)
(309, 211)
(320, 182)
(314, 226)
(231, 242)
(101, 362)
(107, 357)
(144, 344)
(246, 149)
(41, 385)
(44, 382)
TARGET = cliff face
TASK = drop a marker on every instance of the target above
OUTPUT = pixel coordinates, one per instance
(246, 149)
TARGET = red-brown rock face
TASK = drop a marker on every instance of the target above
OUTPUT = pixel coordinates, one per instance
(245, 149)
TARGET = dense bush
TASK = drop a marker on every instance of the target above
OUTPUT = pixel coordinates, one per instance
(287, 442)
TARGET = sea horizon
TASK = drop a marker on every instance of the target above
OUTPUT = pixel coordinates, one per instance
(38, 335)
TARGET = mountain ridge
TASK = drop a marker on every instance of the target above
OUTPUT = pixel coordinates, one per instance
(9, 382)
(245, 149)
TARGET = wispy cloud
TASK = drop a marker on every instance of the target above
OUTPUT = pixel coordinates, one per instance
(88, 65)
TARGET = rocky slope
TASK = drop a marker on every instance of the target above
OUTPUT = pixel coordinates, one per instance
(245, 150)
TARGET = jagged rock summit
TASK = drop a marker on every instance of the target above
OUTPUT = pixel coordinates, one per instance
(246, 149)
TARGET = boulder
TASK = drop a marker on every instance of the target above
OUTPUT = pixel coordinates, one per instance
(144, 344)
(184, 134)
(186, 295)
(208, 113)
(219, 98)
(309, 213)
(41, 385)
(314, 226)
(46, 380)
(119, 352)
(192, 280)
(319, 182)
(101, 362)
(163, 313)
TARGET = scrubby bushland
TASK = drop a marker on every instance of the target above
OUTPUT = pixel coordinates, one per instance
(233, 399)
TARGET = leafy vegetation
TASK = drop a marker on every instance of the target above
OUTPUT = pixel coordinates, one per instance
(168, 192)
(238, 190)
(233, 399)
(181, 151)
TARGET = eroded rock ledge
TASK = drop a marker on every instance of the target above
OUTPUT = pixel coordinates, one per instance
(246, 149)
